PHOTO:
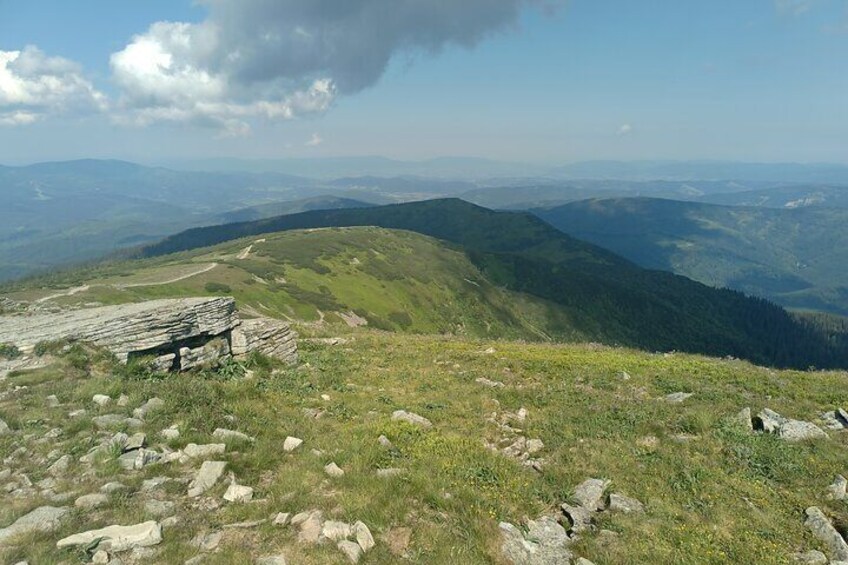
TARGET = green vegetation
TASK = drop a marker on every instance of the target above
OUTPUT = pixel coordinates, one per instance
(795, 257)
(714, 493)
(8, 351)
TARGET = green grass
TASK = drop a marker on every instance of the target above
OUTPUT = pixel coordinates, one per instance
(725, 496)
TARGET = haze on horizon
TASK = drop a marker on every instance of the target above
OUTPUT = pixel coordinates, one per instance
(521, 80)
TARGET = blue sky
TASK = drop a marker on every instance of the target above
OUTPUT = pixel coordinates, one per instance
(757, 80)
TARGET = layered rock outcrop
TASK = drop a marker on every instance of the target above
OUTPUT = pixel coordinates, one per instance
(179, 333)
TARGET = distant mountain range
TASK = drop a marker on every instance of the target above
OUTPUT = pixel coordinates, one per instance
(797, 257)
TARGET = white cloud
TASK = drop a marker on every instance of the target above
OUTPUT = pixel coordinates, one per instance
(314, 141)
(33, 85)
(625, 129)
(794, 7)
(280, 59)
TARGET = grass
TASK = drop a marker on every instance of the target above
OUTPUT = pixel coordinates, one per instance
(724, 496)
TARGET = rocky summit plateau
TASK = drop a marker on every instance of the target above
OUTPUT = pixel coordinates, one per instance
(178, 334)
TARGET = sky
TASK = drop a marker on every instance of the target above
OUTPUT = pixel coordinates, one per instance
(546, 81)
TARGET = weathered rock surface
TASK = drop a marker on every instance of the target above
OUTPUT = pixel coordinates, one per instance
(222, 434)
(412, 418)
(810, 558)
(619, 503)
(837, 489)
(770, 421)
(117, 538)
(545, 543)
(267, 336)
(43, 519)
(207, 476)
(821, 527)
(238, 493)
(291, 443)
(590, 493)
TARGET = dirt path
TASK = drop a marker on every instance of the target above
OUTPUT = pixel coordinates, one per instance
(205, 269)
(69, 292)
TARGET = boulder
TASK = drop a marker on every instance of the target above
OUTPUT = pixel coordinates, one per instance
(770, 421)
(91, 501)
(207, 476)
(590, 493)
(836, 491)
(822, 529)
(117, 538)
(546, 543)
(336, 531)
(363, 536)
(267, 336)
(810, 558)
(351, 550)
(42, 519)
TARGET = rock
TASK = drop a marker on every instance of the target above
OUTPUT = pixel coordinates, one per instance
(384, 441)
(193, 450)
(149, 406)
(4, 429)
(271, 560)
(590, 493)
(534, 446)
(100, 557)
(117, 538)
(128, 329)
(842, 416)
(546, 543)
(159, 508)
(363, 536)
(390, 472)
(42, 519)
(490, 383)
(412, 418)
(336, 531)
(193, 357)
(91, 501)
(109, 488)
(333, 470)
(836, 491)
(619, 503)
(810, 558)
(770, 421)
(267, 336)
(292, 443)
(60, 466)
(351, 550)
(225, 435)
(123, 400)
(678, 397)
(301, 517)
(238, 493)
(138, 459)
(311, 527)
(207, 476)
(77, 413)
(207, 542)
(152, 484)
(282, 519)
(582, 561)
(244, 525)
(580, 518)
(53, 401)
(743, 418)
(170, 434)
(108, 421)
(135, 441)
(101, 399)
(822, 529)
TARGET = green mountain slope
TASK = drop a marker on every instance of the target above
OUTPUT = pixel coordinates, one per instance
(798, 257)
(607, 298)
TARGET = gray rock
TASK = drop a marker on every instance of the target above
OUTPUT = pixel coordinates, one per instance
(4, 428)
(271, 560)
(151, 405)
(363, 536)
(170, 434)
(193, 450)
(207, 476)
(836, 491)
(267, 336)
(135, 441)
(42, 519)
(108, 421)
(546, 543)
(117, 538)
(489, 383)
(582, 561)
(291, 443)
(619, 503)
(91, 501)
(159, 508)
(351, 550)
(109, 488)
(101, 399)
(822, 529)
(123, 400)
(225, 435)
(238, 493)
(207, 542)
(138, 459)
(743, 418)
(810, 558)
(579, 517)
(336, 531)
(770, 421)
(53, 401)
(311, 527)
(333, 470)
(390, 472)
(152, 484)
(678, 397)
(412, 418)
(384, 441)
(100, 557)
(60, 466)
(590, 493)
(282, 519)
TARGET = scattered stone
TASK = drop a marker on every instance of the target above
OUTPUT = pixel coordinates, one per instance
(193, 450)
(77, 413)
(149, 406)
(91, 501)
(271, 560)
(123, 400)
(619, 503)
(363, 536)
(53, 401)
(836, 491)
(207, 542)
(138, 459)
(490, 383)
(770, 421)
(821, 527)
(336, 531)
(100, 557)
(238, 493)
(108, 421)
(534, 446)
(207, 476)
(412, 418)
(590, 493)
(42, 519)
(579, 517)
(154, 483)
(111, 487)
(101, 399)
(582, 561)
(4, 428)
(743, 418)
(117, 538)
(351, 550)
(546, 543)
(170, 434)
(222, 434)
(292, 443)
(60, 466)
(810, 558)
(244, 525)
(678, 397)
(333, 470)
(282, 519)
(390, 472)
(384, 441)
(311, 527)
(135, 441)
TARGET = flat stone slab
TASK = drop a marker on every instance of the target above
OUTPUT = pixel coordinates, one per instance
(117, 538)
(207, 476)
(43, 519)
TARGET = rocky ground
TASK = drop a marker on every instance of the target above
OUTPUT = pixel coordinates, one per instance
(382, 449)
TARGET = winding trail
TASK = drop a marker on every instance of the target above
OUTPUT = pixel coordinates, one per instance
(205, 269)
